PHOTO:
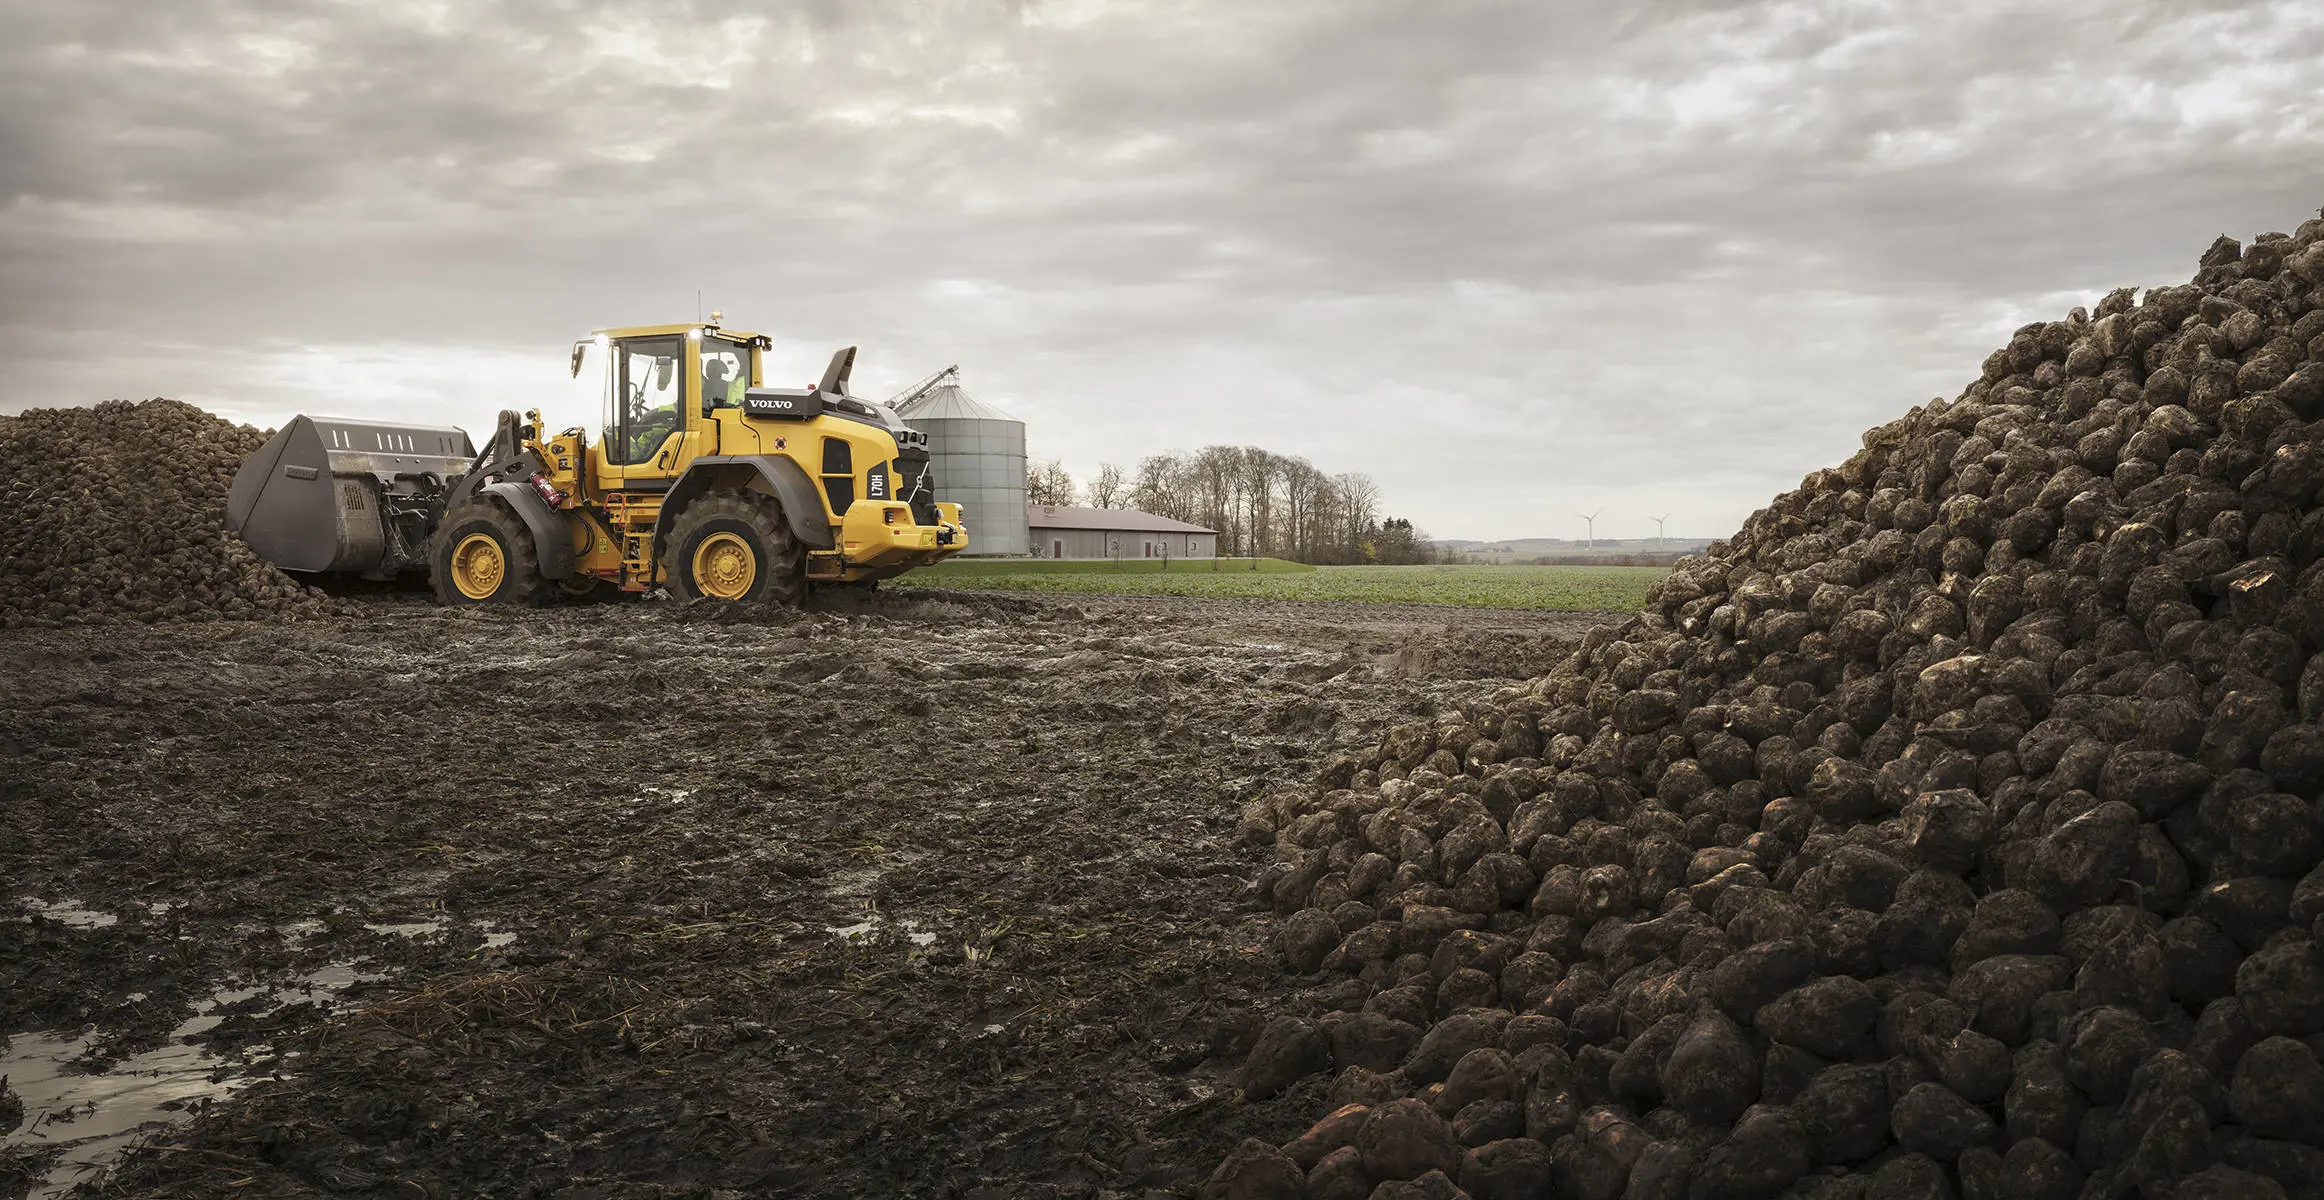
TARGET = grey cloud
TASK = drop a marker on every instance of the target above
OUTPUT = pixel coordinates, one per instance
(1343, 205)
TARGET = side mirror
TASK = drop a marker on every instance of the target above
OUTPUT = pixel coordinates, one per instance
(663, 369)
(580, 351)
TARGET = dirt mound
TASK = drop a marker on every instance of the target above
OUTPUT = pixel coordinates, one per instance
(118, 513)
(1953, 830)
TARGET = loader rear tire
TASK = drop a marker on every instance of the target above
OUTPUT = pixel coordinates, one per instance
(483, 554)
(734, 546)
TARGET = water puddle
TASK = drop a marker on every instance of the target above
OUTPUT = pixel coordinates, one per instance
(299, 931)
(71, 913)
(853, 883)
(875, 924)
(408, 929)
(92, 1111)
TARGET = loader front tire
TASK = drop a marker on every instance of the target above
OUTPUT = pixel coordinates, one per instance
(734, 546)
(482, 554)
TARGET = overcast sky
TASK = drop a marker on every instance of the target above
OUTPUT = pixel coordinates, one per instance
(1514, 261)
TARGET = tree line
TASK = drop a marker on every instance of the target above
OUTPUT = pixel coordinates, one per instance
(1260, 502)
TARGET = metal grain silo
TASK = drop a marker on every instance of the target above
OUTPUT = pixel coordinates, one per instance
(977, 454)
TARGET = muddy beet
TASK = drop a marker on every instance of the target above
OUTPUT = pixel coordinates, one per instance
(1955, 824)
(117, 513)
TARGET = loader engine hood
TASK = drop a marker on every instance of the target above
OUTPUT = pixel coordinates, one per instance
(881, 415)
(806, 404)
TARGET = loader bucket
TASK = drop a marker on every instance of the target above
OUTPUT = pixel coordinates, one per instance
(319, 495)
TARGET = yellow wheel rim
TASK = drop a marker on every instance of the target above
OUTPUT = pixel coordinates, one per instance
(724, 567)
(478, 566)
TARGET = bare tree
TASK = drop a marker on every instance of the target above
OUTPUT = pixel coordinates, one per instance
(1049, 485)
(1260, 469)
(1161, 486)
(1109, 486)
(1302, 485)
(1261, 503)
(1359, 501)
(1323, 523)
(1217, 469)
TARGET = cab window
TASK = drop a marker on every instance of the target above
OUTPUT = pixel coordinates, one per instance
(725, 372)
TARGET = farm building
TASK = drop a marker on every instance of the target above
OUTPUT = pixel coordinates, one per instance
(1114, 533)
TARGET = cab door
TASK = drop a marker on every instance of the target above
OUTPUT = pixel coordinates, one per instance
(648, 415)
(727, 369)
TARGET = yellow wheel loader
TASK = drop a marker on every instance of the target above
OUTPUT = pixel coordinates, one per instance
(701, 481)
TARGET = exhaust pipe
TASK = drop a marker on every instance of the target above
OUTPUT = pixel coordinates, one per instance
(325, 494)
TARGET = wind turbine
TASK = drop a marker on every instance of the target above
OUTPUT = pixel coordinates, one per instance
(1658, 530)
(1590, 523)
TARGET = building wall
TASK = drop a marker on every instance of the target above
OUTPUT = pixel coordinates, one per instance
(1124, 544)
(980, 465)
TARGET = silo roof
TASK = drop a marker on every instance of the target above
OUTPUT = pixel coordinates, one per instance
(950, 402)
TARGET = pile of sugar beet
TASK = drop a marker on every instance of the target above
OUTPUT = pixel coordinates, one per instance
(1950, 831)
(116, 513)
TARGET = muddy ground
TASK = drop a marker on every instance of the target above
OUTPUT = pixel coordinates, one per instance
(930, 895)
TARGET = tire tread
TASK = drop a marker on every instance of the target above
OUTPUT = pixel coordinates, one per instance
(524, 561)
(786, 584)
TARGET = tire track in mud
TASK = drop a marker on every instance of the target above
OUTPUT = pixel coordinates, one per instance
(931, 894)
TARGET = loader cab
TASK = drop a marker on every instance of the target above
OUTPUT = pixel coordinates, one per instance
(659, 389)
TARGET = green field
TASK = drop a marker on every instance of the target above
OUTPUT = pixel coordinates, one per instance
(1617, 589)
